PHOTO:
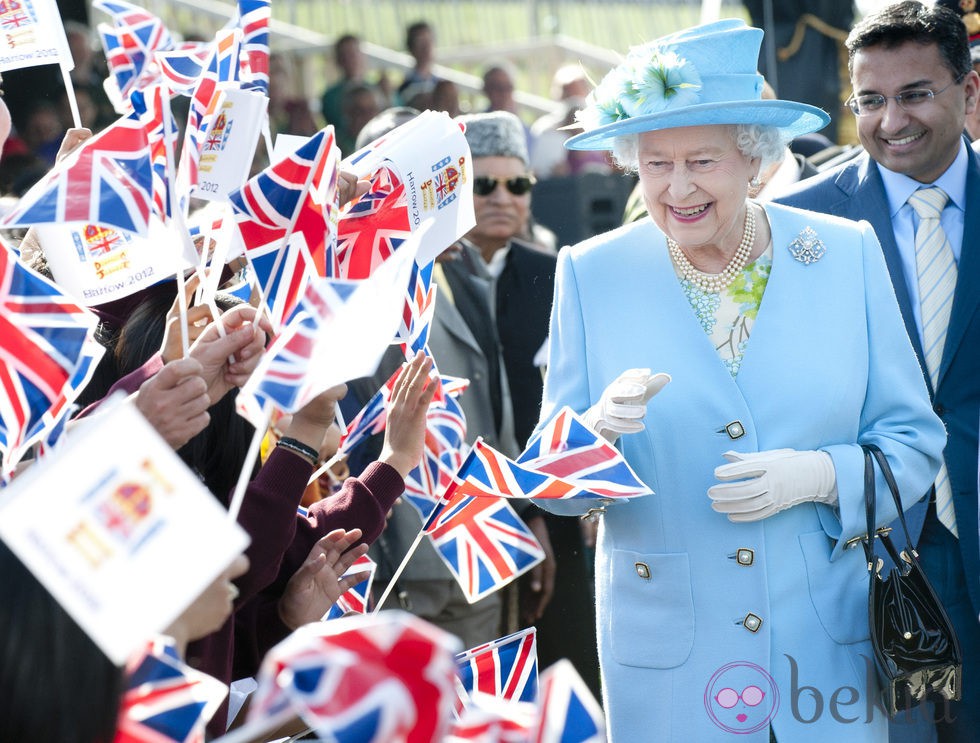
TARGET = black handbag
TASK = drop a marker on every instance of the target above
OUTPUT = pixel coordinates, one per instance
(915, 647)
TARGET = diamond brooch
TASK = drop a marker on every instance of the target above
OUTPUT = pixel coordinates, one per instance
(807, 248)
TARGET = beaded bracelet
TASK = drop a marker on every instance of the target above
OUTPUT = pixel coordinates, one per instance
(305, 451)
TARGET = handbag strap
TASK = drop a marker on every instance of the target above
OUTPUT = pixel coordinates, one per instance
(873, 454)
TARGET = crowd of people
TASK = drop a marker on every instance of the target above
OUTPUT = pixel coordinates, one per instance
(772, 302)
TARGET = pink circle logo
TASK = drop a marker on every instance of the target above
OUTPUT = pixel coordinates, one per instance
(741, 698)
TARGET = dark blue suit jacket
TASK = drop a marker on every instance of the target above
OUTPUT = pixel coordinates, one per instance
(855, 191)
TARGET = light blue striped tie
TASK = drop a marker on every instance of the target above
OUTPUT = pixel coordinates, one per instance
(936, 267)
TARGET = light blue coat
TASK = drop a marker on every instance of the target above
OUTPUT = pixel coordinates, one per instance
(829, 365)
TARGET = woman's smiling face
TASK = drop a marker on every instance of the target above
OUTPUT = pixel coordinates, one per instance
(695, 182)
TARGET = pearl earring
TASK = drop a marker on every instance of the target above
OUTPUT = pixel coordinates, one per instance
(754, 181)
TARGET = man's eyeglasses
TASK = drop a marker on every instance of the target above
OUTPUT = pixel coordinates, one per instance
(863, 105)
(484, 185)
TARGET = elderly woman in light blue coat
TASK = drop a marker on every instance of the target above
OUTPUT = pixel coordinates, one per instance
(732, 605)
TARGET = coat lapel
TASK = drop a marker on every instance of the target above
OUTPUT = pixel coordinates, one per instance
(865, 198)
(967, 294)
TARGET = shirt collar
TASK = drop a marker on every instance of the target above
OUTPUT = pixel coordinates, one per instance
(899, 187)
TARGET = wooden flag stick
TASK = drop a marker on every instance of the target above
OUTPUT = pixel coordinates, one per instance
(70, 92)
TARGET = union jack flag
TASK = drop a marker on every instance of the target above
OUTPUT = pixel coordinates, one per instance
(266, 210)
(384, 678)
(420, 305)
(221, 68)
(568, 711)
(182, 68)
(48, 430)
(506, 668)
(131, 43)
(443, 452)
(316, 220)
(15, 20)
(166, 701)
(487, 473)
(568, 449)
(43, 340)
(373, 227)
(371, 419)
(152, 107)
(356, 599)
(253, 17)
(487, 719)
(482, 541)
(285, 376)
(108, 180)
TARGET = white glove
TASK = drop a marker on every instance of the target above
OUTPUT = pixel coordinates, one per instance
(777, 480)
(624, 403)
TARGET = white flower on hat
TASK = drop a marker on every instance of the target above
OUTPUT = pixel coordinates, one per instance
(649, 81)
(661, 80)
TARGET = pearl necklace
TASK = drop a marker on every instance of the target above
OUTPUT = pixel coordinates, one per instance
(714, 283)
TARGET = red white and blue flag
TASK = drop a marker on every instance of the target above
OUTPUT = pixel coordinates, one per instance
(131, 44)
(506, 668)
(568, 713)
(371, 418)
(373, 228)
(222, 68)
(152, 107)
(107, 181)
(375, 678)
(568, 449)
(253, 17)
(488, 719)
(266, 210)
(420, 305)
(44, 341)
(166, 701)
(443, 452)
(47, 432)
(319, 210)
(482, 541)
(286, 378)
(181, 68)
(356, 598)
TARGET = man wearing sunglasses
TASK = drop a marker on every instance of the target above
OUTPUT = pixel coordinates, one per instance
(918, 183)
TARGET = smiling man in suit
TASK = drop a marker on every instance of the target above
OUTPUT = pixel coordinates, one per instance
(913, 87)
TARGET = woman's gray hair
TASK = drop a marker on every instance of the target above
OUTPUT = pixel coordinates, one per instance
(752, 140)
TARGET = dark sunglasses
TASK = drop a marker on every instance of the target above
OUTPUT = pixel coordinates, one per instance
(484, 185)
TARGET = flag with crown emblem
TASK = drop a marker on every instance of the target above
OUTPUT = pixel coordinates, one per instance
(222, 69)
(374, 678)
(165, 700)
(33, 35)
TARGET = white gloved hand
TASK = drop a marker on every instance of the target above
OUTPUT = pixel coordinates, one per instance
(624, 403)
(759, 484)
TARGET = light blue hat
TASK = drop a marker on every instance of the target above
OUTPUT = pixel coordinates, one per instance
(699, 76)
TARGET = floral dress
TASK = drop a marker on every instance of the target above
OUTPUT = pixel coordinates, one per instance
(728, 317)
